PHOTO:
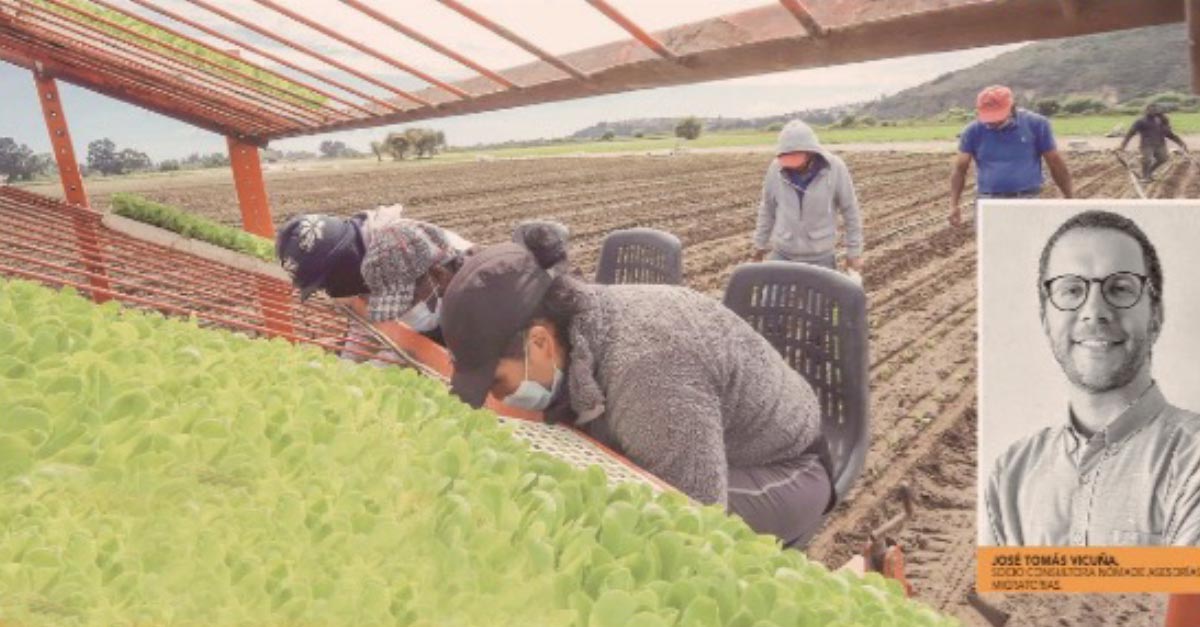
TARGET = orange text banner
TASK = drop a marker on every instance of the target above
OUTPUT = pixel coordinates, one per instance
(1088, 569)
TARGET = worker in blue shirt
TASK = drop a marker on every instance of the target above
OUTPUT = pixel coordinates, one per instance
(1008, 146)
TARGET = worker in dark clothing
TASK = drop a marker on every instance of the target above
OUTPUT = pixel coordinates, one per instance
(1154, 129)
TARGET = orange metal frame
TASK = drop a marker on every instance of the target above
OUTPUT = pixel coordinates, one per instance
(251, 187)
(72, 182)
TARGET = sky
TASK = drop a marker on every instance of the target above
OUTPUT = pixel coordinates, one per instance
(92, 116)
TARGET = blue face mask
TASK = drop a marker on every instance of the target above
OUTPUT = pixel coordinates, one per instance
(532, 395)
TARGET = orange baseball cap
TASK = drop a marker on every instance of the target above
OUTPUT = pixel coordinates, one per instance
(994, 104)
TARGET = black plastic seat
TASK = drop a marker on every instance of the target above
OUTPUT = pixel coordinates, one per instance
(640, 256)
(817, 319)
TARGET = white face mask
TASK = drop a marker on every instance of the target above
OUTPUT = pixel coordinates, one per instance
(421, 318)
(532, 395)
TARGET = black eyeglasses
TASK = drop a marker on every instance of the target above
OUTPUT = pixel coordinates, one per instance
(1068, 292)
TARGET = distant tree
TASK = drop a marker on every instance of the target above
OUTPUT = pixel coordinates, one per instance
(332, 149)
(1083, 104)
(130, 160)
(102, 157)
(299, 155)
(688, 128)
(18, 163)
(847, 121)
(608, 136)
(377, 148)
(774, 127)
(414, 137)
(1048, 107)
(422, 142)
(169, 165)
(271, 155)
(867, 120)
(215, 160)
(397, 145)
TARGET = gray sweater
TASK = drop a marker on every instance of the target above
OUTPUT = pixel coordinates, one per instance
(808, 231)
(684, 387)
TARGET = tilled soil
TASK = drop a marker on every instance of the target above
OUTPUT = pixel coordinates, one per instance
(920, 279)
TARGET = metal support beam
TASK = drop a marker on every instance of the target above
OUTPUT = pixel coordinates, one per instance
(312, 53)
(60, 140)
(769, 39)
(1070, 8)
(87, 242)
(427, 42)
(88, 67)
(805, 17)
(1191, 10)
(212, 32)
(276, 90)
(633, 29)
(207, 71)
(251, 188)
(513, 38)
(361, 47)
(275, 307)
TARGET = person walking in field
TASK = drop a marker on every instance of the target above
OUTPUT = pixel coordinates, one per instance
(670, 378)
(806, 187)
(1153, 130)
(1008, 146)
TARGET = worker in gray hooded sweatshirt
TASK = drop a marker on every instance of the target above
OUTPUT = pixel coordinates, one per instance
(669, 377)
(805, 187)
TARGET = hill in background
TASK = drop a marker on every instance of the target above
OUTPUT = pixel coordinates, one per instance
(1115, 67)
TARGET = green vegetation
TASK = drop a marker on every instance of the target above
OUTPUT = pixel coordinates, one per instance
(155, 472)
(188, 225)
(880, 132)
(167, 44)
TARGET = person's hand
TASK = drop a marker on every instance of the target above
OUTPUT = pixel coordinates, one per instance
(758, 255)
(955, 215)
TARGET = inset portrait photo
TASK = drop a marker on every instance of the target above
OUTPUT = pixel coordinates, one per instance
(1089, 373)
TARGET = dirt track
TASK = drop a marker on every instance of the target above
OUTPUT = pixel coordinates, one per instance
(920, 278)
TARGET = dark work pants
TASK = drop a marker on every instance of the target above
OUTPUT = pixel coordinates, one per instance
(786, 501)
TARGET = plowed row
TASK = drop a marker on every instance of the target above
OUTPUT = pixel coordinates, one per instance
(920, 278)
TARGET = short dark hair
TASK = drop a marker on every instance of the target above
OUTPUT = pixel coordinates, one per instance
(1096, 219)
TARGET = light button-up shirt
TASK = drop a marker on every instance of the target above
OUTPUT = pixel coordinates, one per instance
(1134, 483)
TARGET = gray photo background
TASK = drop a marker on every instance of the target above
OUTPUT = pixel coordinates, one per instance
(1021, 388)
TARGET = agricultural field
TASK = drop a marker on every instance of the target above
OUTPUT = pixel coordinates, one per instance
(920, 280)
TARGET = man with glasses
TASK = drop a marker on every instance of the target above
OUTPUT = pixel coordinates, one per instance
(1008, 146)
(1123, 467)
